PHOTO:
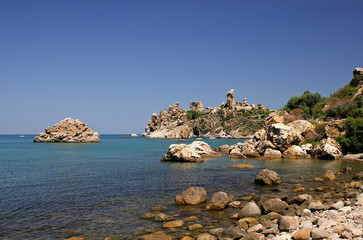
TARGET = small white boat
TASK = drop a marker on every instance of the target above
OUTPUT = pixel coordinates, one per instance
(199, 138)
(21, 136)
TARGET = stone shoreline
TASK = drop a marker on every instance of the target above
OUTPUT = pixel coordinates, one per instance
(330, 208)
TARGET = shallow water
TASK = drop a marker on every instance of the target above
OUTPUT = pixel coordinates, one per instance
(99, 190)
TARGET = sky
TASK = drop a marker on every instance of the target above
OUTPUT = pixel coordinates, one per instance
(111, 64)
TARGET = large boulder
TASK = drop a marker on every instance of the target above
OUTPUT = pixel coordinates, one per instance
(267, 177)
(68, 131)
(243, 150)
(328, 149)
(295, 152)
(276, 117)
(272, 154)
(194, 152)
(274, 205)
(192, 195)
(305, 128)
(283, 136)
(219, 201)
(334, 128)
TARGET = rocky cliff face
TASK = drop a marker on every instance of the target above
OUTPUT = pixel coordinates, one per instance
(68, 131)
(229, 120)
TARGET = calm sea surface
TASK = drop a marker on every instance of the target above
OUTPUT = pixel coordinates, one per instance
(56, 191)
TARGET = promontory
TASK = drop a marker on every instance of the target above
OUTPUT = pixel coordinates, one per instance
(68, 131)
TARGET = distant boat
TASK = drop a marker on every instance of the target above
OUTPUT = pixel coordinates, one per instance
(21, 136)
(199, 138)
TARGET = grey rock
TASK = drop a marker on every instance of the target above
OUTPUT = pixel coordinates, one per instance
(318, 233)
(249, 210)
(274, 205)
(316, 205)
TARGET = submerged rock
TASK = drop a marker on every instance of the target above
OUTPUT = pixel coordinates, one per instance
(219, 201)
(68, 131)
(194, 152)
(192, 195)
(267, 177)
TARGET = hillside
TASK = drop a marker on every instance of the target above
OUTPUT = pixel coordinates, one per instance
(229, 120)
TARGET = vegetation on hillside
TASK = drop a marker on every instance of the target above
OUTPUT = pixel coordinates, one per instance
(346, 103)
(352, 142)
(306, 102)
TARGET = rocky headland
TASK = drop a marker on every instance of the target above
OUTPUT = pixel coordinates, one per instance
(229, 120)
(68, 131)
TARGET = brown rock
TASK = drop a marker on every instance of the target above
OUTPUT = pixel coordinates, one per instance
(334, 128)
(295, 152)
(223, 148)
(243, 165)
(195, 227)
(173, 224)
(302, 234)
(156, 236)
(329, 175)
(187, 238)
(272, 154)
(192, 195)
(267, 177)
(274, 205)
(288, 223)
(299, 189)
(219, 201)
(68, 131)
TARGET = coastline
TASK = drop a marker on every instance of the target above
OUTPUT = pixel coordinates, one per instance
(338, 200)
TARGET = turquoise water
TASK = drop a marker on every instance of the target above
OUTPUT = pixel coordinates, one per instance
(99, 190)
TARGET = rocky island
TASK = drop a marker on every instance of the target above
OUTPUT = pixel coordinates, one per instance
(68, 131)
(230, 120)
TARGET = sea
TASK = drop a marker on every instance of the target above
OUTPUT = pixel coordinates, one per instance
(101, 190)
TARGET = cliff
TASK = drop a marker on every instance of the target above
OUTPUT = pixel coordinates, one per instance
(68, 131)
(229, 120)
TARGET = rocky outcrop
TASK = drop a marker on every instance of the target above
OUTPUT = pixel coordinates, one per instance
(335, 128)
(229, 120)
(358, 71)
(328, 149)
(68, 131)
(277, 140)
(230, 98)
(194, 152)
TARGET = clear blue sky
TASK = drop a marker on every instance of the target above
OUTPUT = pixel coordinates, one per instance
(113, 63)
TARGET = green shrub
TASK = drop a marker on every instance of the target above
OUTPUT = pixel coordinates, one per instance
(306, 102)
(352, 142)
(356, 80)
(192, 114)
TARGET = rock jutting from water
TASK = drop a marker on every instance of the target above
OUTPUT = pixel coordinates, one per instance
(68, 131)
(194, 152)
